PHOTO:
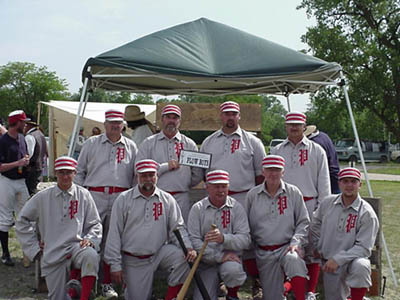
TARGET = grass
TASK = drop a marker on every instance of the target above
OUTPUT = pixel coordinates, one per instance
(17, 282)
(390, 170)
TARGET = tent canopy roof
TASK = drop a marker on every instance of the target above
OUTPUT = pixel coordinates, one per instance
(208, 58)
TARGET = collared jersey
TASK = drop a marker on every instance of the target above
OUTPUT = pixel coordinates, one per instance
(141, 225)
(306, 166)
(230, 219)
(344, 233)
(64, 219)
(103, 163)
(239, 153)
(160, 148)
(279, 219)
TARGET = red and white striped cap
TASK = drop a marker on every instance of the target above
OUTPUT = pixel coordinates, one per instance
(146, 165)
(114, 115)
(65, 163)
(171, 109)
(349, 172)
(273, 161)
(229, 106)
(295, 117)
(17, 115)
(217, 176)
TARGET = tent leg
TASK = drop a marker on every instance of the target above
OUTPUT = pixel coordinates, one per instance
(353, 124)
(78, 117)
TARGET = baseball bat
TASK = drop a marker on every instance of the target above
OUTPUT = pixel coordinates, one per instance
(197, 277)
(189, 278)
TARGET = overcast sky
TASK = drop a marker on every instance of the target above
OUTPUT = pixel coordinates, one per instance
(62, 35)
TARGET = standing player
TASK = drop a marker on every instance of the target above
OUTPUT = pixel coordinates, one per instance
(344, 229)
(222, 257)
(165, 148)
(141, 231)
(13, 160)
(279, 228)
(236, 151)
(306, 168)
(106, 168)
(70, 230)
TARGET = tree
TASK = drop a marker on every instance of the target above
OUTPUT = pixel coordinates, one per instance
(23, 85)
(101, 95)
(363, 36)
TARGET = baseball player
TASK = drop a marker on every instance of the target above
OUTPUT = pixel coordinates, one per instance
(307, 168)
(70, 230)
(13, 161)
(106, 168)
(279, 228)
(344, 229)
(222, 257)
(165, 148)
(141, 238)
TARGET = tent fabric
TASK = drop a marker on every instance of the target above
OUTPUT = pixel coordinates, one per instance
(208, 58)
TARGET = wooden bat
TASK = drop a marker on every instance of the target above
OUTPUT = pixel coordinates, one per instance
(189, 278)
(197, 278)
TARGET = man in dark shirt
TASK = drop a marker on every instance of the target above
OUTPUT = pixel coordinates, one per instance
(14, 193)
(37, 150)
(322, 139)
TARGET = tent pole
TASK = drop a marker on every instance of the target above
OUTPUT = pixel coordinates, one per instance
(353, 124)
(78, 117)
(287, 94)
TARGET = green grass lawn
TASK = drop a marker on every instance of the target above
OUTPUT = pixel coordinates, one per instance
(17, 282)
(390, 170)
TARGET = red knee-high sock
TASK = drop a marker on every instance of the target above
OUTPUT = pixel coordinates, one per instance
(74, 274)
(233, 291)
(313, 273)
(173, 291)
(251, 267)
(87, 285)
(358, 293)
(299, 287)
(107, 273)
(287, 286)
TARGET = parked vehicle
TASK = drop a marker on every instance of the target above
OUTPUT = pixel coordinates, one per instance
(347, 149)
(395, 155)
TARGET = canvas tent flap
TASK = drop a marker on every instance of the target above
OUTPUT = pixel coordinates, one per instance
(208, 58)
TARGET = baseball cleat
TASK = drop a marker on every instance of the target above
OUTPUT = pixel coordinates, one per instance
(7, 261)
(108, 291)
(74, 289)
(311, 296)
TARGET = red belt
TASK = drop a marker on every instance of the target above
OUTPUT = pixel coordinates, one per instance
(107, 189)
(307, 198)
(271, 248)
(138, 256)
(174, 193)
(233, 192)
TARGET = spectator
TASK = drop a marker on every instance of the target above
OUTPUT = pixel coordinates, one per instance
(96, 131)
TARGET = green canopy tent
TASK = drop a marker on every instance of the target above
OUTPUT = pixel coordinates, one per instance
(204, 57)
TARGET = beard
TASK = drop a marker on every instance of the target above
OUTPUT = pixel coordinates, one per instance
(171, 128)
(147, 186)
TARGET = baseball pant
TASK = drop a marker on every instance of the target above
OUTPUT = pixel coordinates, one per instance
(230, 272)
(273, 266)
(14, 194)
(308, 251)
(85, 259)
(139, 272)
(356, 274)
(184, 204)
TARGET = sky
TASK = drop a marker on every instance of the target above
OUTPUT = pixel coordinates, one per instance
(62, 35)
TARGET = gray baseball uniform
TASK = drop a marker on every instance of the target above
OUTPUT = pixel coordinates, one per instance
(105, 164)
(346, 235)
(64, 219)
(138, 243)
(231, 220)
(240, 154)
(160, 148)
(277, 222)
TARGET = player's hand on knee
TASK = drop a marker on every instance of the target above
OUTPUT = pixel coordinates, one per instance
(330, 266)
(117, 277)
(191, 255)
(295, 248)
(86, 243)
(231, 256)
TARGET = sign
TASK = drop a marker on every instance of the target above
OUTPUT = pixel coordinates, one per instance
(195, 159)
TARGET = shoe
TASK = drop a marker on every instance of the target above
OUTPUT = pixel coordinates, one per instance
(256, 290)
(108, 291)
(7, 261)
(311, 296)
(74, 289)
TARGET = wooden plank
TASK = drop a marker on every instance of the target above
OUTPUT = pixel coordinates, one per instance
(205, 116)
